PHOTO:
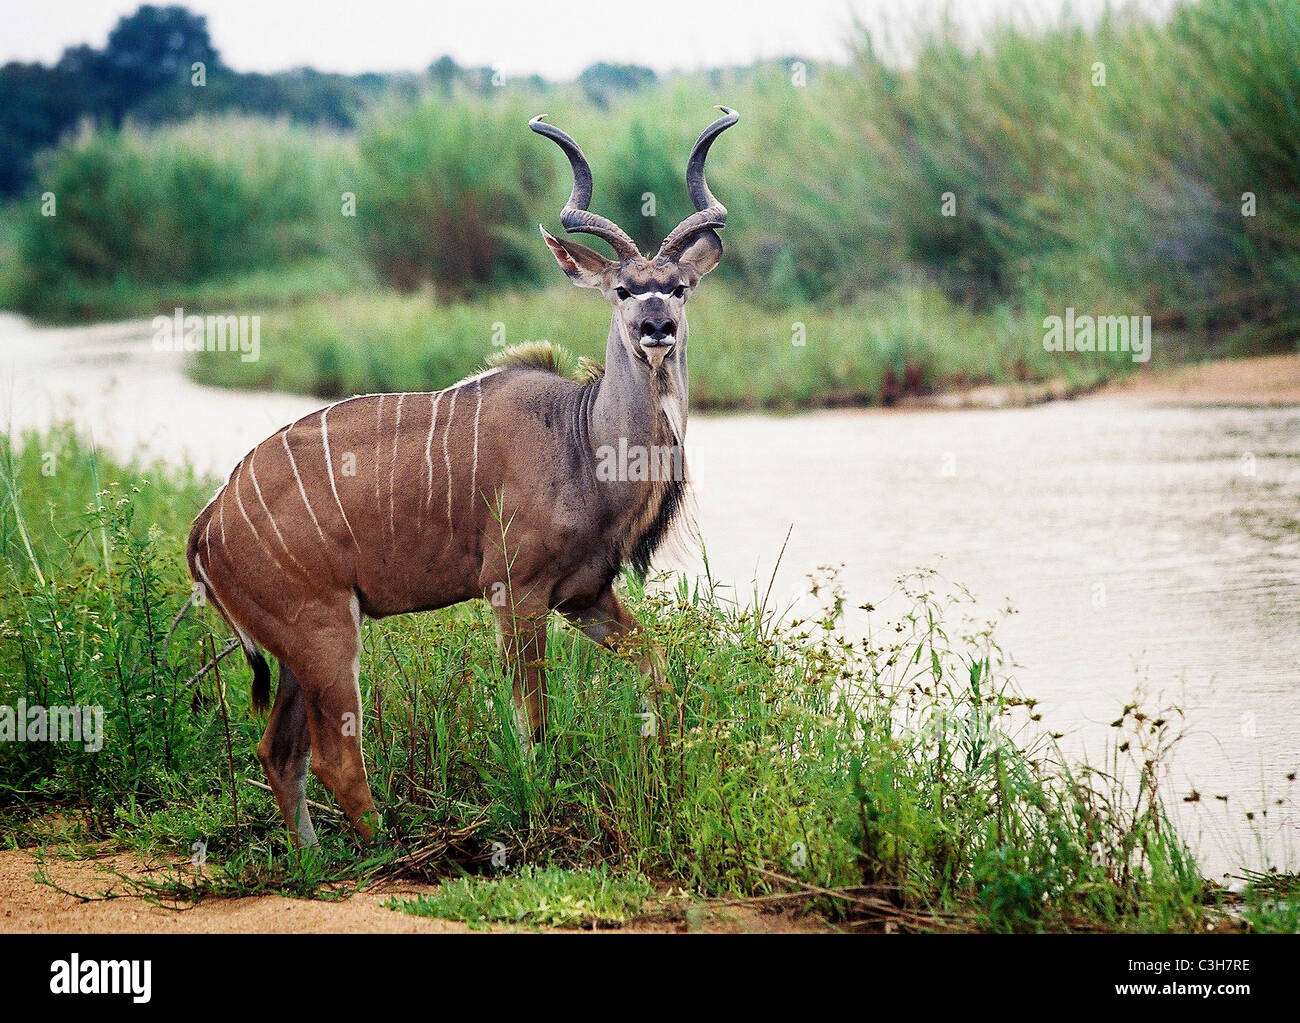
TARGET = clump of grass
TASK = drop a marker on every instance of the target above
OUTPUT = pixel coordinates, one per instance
(1271, 902)
(906, 768)
(142, 214)
(536, 897)
(447, 192)
(879, 349)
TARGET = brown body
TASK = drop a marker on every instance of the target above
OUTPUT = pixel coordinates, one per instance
(391, 503)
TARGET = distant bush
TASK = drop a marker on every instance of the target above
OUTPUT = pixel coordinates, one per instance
(209, 200)
(1102, 165)
(601, 82)
(965, 144)
(644, 181)
(449, 191)
(1193, 204)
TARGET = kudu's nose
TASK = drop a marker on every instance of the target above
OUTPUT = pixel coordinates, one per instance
(658, 332)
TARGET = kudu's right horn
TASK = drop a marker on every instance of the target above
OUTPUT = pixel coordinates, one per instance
(710, 214)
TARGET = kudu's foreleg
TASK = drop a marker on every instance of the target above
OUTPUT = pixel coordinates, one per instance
(522, 637)
(608, 623)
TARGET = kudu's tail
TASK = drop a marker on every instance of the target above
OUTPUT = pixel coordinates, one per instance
(260, 688)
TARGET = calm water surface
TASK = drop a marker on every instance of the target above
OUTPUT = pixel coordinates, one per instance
(1141, 546)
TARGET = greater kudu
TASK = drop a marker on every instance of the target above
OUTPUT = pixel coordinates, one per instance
(389, 503)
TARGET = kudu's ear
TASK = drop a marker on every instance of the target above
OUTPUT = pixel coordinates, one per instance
(585, 267)
(702, 254)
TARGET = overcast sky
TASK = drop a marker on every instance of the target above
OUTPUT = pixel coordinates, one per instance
(556, 38)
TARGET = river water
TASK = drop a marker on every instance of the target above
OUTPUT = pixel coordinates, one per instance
(1144, 547)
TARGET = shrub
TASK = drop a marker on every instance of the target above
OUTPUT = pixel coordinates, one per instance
(448, 191)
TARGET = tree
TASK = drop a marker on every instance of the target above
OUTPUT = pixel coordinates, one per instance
(444, 71)
(151, 48)
(601, 81)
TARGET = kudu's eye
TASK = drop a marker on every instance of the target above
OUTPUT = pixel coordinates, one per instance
(622, 294)
(679, 291)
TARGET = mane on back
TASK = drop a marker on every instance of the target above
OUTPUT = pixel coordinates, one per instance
(547, 356)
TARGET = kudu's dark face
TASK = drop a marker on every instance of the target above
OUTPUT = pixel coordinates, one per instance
(648, 294)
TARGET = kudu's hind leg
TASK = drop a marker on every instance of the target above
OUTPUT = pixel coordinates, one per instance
(285, 751)
(330, 678)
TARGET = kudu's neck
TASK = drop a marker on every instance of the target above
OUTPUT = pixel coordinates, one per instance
(631, 405)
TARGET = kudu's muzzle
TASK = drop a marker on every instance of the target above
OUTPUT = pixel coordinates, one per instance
(658, 335)
(658, 332)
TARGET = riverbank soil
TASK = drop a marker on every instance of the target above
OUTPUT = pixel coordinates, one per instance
(1267, 380)
(88, 895)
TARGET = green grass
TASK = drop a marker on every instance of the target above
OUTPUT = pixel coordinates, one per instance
(902, 765)
(1272, 903)
(123, 218)
(11, 269)
(546, 897)
(243, 292)
(742, 355)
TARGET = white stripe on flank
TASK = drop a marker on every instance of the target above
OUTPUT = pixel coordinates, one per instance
(245, 640)
(252, 459)
(428, 447)
(212, 590)
(354, 605)
(216, 496)
(392, 479)
(446, 455)
(243, 511)
(221, 516)
(379, 424)
(329, 465)
(473, 479)
(284, 437)
(475, 378)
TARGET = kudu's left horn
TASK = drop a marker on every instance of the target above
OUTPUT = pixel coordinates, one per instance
(575, 216)
(709, 212)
